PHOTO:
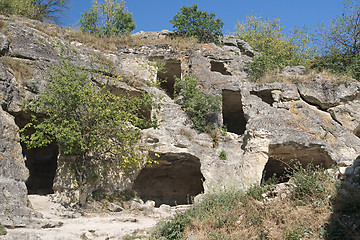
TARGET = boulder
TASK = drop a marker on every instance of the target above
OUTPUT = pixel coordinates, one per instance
(293, 71)
(328, 93)
(348, 115)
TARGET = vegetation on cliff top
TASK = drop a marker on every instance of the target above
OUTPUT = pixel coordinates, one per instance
(191, 22)
(109, 17)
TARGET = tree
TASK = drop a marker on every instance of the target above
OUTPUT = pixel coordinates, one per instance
(343, 35)
(340, 42)
(87, 121)
(109, 17)
(192, 22)
(42, 10)
(278, 49)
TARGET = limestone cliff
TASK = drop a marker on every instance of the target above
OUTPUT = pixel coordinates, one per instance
(308, 120)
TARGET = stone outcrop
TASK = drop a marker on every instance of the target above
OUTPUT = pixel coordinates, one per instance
(268, 124)
(14, 210)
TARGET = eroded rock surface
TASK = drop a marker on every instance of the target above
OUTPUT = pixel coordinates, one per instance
(268, 123)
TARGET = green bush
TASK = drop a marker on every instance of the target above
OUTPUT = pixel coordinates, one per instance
(222, 155)
(217, 206)
(109, 17)
(43, 10)
(201, 108)
(310, 184)
(191, 22)
(277, 49)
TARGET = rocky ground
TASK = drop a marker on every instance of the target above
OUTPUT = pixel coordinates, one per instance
(53, 221)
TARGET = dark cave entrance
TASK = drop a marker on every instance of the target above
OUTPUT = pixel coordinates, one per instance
(172, 70)
(265, 95)
(219, 67)
(232, 111)
(284, 156)
(173, 181)
(41, 162)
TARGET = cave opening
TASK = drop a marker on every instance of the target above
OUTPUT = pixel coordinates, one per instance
(219, 67)
(283, 157)
(172, 70)
(41, 162)
(265, 95)
(232, 111)
(175, 180)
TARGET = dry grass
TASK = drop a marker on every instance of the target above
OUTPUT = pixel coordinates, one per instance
(21, 69)
(3, 26)
(314, 208)
(307, 77)
(257, 220)
(111, 43)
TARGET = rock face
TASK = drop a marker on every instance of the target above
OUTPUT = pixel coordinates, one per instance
(14, 209)
(269, 125)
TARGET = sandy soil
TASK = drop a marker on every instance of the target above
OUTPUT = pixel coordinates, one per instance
(54, 222)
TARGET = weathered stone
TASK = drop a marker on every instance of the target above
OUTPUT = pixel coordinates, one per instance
(348, 115)
(3, 75)
(114, 207)
(293, 71)
(14, 209)
(265, 122)
(25, 43)
(346, 170)
(4, 44)
(153, 35)
(326, 94)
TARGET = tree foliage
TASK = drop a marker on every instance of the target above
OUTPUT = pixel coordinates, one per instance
(202, 108)
(277, 48)
(108, 17)
(340, 42)
(87, 120)
(191, 22)
(43, 10)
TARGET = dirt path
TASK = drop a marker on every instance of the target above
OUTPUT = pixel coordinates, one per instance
(57, 223)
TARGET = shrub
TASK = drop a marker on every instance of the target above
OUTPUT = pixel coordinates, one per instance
(222, 155)
(277, 49)
(311, 184)
(43, 10)
(202, 108)
(191, 22)
(109, 17)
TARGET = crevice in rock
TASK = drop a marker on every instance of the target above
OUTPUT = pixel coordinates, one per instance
(173, 181)
(318, 107)
(310, 103)
(357, 131)
(41, 162)
(172, 70)
(284, 156)
(219, 67)
(232, 112)
(265, 95)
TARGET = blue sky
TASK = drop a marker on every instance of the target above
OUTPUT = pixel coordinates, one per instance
(154, 15)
